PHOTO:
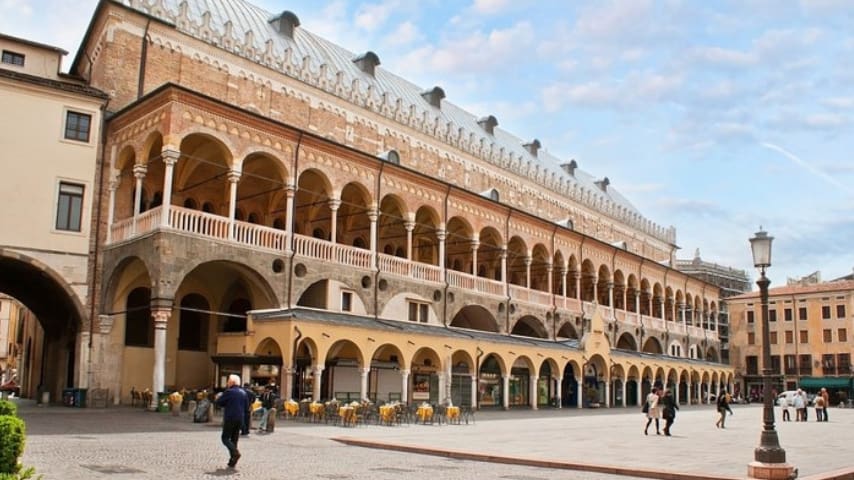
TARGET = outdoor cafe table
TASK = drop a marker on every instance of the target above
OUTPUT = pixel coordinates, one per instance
(346, 413)
(387, 414)
(453, 413)
(292, 408)
(424, 413)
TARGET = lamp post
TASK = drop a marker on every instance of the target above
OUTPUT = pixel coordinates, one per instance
(769, 457)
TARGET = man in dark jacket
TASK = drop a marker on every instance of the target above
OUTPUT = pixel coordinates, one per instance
(669, 410)
(235, 404)
(247, 416)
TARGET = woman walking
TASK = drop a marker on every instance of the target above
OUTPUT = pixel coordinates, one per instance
(652, 411)
(668, 411)
(723, 408)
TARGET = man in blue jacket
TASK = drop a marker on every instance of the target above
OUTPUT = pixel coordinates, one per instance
(234, 403)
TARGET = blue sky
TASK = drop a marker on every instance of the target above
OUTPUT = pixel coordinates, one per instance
(715, 117)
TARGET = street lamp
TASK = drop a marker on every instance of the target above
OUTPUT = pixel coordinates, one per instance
(769, 457)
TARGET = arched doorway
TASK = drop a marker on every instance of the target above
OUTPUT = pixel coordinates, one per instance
(569, 387)
(490, 390)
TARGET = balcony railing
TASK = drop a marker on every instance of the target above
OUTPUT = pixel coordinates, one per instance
(266, 238)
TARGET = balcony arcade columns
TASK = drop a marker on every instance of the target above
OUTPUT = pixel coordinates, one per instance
(373, 216)
(290, 191)
(504, 279)
(611, 297)
(563, 274)
(528, 261)
(111, 206)
(441, 235)
(139, 171)
(549, 275)
(170, 158)
(334, 205)
(233, 179)
(475, 243)
(409, 225)
(160, 314)
(404, 386)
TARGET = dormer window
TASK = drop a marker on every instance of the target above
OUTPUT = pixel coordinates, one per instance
(13, 58)
(285, 23)
(570, 167)
(367, 62)
(391, 156)
(492, 194)
(488, 123)
(533, 147)
(434, 96)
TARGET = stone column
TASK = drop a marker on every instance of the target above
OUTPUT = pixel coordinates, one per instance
(161, 320)
(595, 281)
(409, 226)
(246, 373)
(404, 386)
(550, 274)
(624, 383)
(676, 394)
(233, 178)
(532, 388)
(290, 191)
(317, 371)
(709, 393)
(579, 396)
(637, 303)
(334, 204)
(563, 272)
(639, 387)
(558, 391)
(474, 403)
(661, 308)
(363, 383)
(111, 208)
(170, 158)
(139, 171)
(287, 383)
(373, 216)
(576, 276)
(440, 235)
(611, 296)
(528, 261)
(608, 393)
(625, 301)
(504, 269)
(443, 393)
(475, 243)
(505, 392)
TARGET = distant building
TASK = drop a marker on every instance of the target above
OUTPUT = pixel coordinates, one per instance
(809, 327)
(731, 282)
(811, 279)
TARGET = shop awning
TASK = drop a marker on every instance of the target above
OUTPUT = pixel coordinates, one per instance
(815, 383)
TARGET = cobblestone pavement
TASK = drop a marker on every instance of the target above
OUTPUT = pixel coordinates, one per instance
(67, 443)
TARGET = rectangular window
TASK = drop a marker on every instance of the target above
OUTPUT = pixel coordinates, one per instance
(787, 314)
(752, 362)
(69, 209)
(750, 316)
(791, 364)
(13, 58)
(772, 337)
(828, 335)
(828, 364)
(802, 313)
(751, 338)
(77, 126)
(825, 312)
(843, 363)
(790, 337)
(346, 301)
(805, 336)
(840, 311)
(775, 363)
(805, 364)
(418, 312)
(842, 335)
(772, 315)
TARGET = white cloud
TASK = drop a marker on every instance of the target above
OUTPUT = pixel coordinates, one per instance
(825, 120)
(838, 102)
(490, 7)
(613, 20)
(638, 88)
(405, 34)
(372, 16)
(14, 8)
(723, 57)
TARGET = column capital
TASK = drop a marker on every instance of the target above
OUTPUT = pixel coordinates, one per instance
(139, 170)
(114, 183)
(404, 372)
(105, 324)
(373, 214)
(609, 284)
(365, 371)
(409, 225)
(317, 369)
(170, 157)
(334, 204)
(161, 316)
(233, 176)
(441, 234)
(475, 243)
(528, 260)
(290, 190)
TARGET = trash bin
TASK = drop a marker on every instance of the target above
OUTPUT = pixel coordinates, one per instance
(162, 402)
(68, 397)
(80, 397)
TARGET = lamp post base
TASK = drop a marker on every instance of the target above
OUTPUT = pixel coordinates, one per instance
(771, 471)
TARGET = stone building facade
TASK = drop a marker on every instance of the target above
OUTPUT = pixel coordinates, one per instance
(278, 207)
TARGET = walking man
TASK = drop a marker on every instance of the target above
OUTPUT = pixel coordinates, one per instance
(268, 401)
(669, 410)
(826, 397)
(234, 403)
(723, 408)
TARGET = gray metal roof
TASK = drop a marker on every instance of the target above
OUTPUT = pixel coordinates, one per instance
(321, 63)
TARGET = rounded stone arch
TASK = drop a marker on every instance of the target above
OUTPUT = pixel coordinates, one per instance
(458, 238)
(498, 360)
(603, 278)
(345, 349)
(529, 326)
(475, 317)
(391, 230)
(567, 329)
(268, 347)
(541, 262)
(280, 168)
(128, 273)
(588, 280)
(572, 264)
(259, 289)
(311, 204)
(627, 341)
(489, 250)
(58, 310)
(660, 374)
(517, 253)
(552, 367)
(672, 378)
(151, 147)
(323, 293)
(633, 372)
(524, 361)
(712, 355)
(647, 374)
(261, 187)
(426, 358)
(460, 358)
(705, 377)
(203, 157)
(558, 269)
(425, 240)
(617, 371)
(389, 353)
(306, 353)
(657, 299)
(652, 345)
(668, 304)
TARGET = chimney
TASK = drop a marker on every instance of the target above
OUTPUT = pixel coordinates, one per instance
(367, 62)
(488, 123)
(434, 96)
(570, 167)
(285, 23)
(532, 147)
